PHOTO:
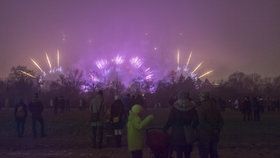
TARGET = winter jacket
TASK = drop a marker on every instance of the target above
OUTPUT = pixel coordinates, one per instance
(36, 108)
(97, 110)
(117, 111)
(183, 115)
(135, 128)
(20, 111)
(210, 121)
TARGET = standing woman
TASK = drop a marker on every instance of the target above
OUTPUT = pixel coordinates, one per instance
(182, 120)
(20, 117)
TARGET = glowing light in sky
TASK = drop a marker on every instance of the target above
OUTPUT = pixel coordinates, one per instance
(136, 62)
(49, 62)
(27, 74)
(197, 67)
(206, 73)
(118, 60)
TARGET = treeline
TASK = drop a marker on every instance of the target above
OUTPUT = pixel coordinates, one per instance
(73, 85)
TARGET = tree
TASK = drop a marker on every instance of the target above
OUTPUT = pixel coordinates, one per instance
(19, 84)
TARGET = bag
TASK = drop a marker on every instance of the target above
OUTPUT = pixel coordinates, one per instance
(190, 135)
(116, 119)
(20, 112)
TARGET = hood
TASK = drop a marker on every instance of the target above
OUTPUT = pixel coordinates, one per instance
(184, 105)
(135, 110)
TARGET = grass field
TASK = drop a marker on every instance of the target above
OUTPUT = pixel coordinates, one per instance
(69, 136)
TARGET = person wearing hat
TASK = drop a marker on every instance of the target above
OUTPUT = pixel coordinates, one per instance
(135, 130)
(210, 126)
(183, 121)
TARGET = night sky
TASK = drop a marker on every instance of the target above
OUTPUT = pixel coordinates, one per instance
(228, 35)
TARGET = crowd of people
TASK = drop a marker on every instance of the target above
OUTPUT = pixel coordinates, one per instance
(190, 121)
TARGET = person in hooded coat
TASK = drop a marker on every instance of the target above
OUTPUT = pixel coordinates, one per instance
(135, 130)
(182, 120)
(210, 126)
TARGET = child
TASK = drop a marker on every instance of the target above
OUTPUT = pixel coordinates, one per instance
(135, 132)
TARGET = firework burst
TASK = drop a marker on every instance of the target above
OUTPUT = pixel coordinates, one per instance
(52, 68)
(120, 69)
(187, 71)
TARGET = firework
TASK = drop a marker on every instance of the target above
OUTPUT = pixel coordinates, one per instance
(119, 68)
(27, 74)
(101, 64)
(118, 60)
(49, 62)
(189, 59)
(197, 67)
(178, 60)
(53, 68)
(206, 73)
(187, 72)
(38, 66)
(136, 62)
(58, 59)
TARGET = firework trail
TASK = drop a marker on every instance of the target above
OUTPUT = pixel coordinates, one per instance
(37, 65)
(189, 59)
(58, 59)
(27, 74)
(206, 73)
(178, 60)
(49, 62)
(198, 66)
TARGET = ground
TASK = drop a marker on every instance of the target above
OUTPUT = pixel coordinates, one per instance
(68, 135)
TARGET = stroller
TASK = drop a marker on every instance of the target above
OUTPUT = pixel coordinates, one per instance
(158, 142)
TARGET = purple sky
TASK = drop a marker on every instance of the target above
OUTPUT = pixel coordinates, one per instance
(228, 35)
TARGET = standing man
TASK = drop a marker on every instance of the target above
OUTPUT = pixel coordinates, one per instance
(36, 109)
(117, 116)
(209, 128)
(97, 112)
(20, 117)
(256, 108)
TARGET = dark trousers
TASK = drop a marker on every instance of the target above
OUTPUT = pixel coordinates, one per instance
(247, 116)
(136, 154)
(183, 150)
(97, 136)
(41, 122)
(208, 149)
(257, 116)
(20, 127)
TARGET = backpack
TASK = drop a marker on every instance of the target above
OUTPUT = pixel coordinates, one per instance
(20, 112)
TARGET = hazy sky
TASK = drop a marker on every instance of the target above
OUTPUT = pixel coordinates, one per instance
(228, 35)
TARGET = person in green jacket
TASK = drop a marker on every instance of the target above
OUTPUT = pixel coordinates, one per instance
(135, 131)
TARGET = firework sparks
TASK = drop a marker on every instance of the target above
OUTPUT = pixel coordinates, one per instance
(178, 60)
(58, 59)
(37, 65)
(49, 61)
(206, 73)
(101, 64)
(189, 59)
(27, 74)
(118, 60)
(136, 62)
(197, 67)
